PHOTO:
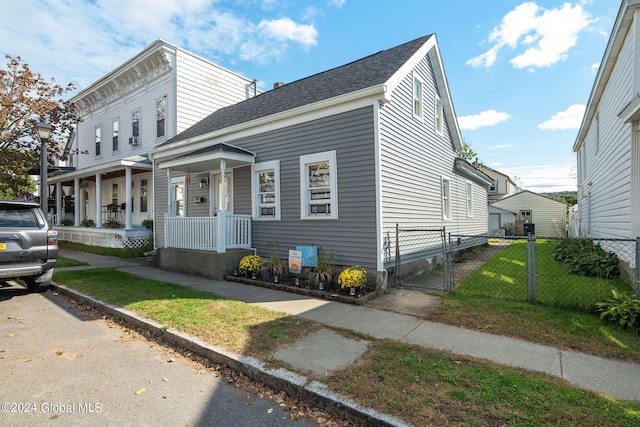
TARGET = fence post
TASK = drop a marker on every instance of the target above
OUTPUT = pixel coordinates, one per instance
(531, 267)
(397, 269)
(637, 267)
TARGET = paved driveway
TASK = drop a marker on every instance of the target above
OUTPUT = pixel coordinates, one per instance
(60, 366)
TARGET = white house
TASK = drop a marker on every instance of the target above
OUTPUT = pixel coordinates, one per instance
(608, 142)
(143, 103)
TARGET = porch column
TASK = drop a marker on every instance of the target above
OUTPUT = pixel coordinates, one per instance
(169, 196)
(127, 191)
(59, 212)
(223, 190)
(99, 200)
(76, 201)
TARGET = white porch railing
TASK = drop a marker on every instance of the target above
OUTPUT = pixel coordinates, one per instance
(213, 234)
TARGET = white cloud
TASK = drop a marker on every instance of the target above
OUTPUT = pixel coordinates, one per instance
(543, 178)
(485, 118)
(286, 29)
(501, 146)
(571, 118)
(336, 3)
(547, 35)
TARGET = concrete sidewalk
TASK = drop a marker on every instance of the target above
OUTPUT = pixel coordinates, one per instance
(610, 377)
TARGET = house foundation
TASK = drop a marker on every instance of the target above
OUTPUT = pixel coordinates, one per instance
(213, 265)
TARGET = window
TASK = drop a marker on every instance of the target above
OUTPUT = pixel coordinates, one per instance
(319, 186)
(115, 134)
(439, 115)
(177, 197)
(114, 196)
(526, 216)
(417, 97)
(469, 200)
(144, 190)
(160, 114)
(135, 128)
(493, 188)
(446, 198)
(98, 140)
(266, 190)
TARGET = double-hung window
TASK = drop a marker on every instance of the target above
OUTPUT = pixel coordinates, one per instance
(446, 198)
(319, 186)
(469, 200)
(417, 97)
(439, 117)
(98, 134)
(160, 114)
(265, 184)
(115, 134)
(135, 128)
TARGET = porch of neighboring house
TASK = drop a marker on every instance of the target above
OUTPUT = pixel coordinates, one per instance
(81, 203)
(201, 234)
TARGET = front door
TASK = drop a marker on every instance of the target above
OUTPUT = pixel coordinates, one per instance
(220, 202)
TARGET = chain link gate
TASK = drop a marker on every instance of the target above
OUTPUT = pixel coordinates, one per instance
(421, 259)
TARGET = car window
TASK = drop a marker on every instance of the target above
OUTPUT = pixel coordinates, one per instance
(17, 217)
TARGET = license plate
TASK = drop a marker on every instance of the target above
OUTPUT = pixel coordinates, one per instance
(3, 246)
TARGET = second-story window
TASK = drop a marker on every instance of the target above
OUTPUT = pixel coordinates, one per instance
(439, 118)
(115, 133)
(135, 128)
(98, 141)
(160, 113)
(417, 97)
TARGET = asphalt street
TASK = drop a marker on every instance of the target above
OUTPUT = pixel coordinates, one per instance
(61, 366)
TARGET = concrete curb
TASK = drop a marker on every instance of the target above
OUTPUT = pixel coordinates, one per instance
(293, 384)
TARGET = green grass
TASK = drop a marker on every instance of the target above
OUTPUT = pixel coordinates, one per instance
(68, 262)
(493, 299)
(233, 325)
(100, 250)
(426, 387)
(416, 384)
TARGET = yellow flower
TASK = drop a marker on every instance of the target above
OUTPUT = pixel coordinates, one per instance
(353, 277)
(250, 263)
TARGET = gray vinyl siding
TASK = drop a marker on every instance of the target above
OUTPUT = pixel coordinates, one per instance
(161, 203)
(352, 237)
(413, 160)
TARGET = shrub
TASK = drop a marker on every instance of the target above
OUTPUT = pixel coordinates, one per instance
(147, 223)
(87, 222)
(250, 263)
(112, 223)
(67, 222)
(585, 258)
(352, 277)
(623, 309)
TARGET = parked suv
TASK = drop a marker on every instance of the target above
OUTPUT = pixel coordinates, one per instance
(28, 245)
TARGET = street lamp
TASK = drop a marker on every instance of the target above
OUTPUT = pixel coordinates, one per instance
(44, 131)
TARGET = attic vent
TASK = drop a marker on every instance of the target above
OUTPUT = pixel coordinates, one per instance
(276, 85)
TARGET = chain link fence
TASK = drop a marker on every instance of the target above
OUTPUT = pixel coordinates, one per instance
(420, 259)
(564, 273)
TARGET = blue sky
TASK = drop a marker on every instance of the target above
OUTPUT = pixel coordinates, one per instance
(520, 72)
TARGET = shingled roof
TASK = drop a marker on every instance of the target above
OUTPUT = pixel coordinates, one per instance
(372, 70)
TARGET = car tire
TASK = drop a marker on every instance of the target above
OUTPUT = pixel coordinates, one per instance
(34, 286)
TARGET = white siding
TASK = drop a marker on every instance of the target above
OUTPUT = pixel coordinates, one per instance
(605, 205)
(549, 216)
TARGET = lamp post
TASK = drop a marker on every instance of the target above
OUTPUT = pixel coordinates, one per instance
(44, 131)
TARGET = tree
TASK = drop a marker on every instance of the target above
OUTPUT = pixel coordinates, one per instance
(25, 99)
(467, 153)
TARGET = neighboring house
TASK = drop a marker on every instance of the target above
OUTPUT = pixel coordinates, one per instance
(502, 186)
(334, 160)
(608, 142)
(501, 222)
(548, 216)
(141, 104)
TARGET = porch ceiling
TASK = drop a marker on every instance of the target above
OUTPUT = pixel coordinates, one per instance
(209, 159)
(138, 164)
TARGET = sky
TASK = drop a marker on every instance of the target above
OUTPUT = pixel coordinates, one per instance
(519, 72)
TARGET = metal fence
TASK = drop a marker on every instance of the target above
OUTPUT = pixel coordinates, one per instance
(565, 273)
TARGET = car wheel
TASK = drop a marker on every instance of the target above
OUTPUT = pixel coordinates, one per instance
(34, 286)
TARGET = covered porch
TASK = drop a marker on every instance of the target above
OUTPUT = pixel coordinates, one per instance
(206, 222)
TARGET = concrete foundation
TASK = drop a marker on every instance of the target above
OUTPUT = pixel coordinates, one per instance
(199, 263)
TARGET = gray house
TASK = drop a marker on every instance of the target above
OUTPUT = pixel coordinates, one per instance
(334, 160)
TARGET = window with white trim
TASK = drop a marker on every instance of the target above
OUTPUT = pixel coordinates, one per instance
(469, 200)
(161, 106)
(265, 184)
(319, 186)
(446, 198)
(115, 134)
(417, 96)
(493, 188)
(98, 140)
(439, 117)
